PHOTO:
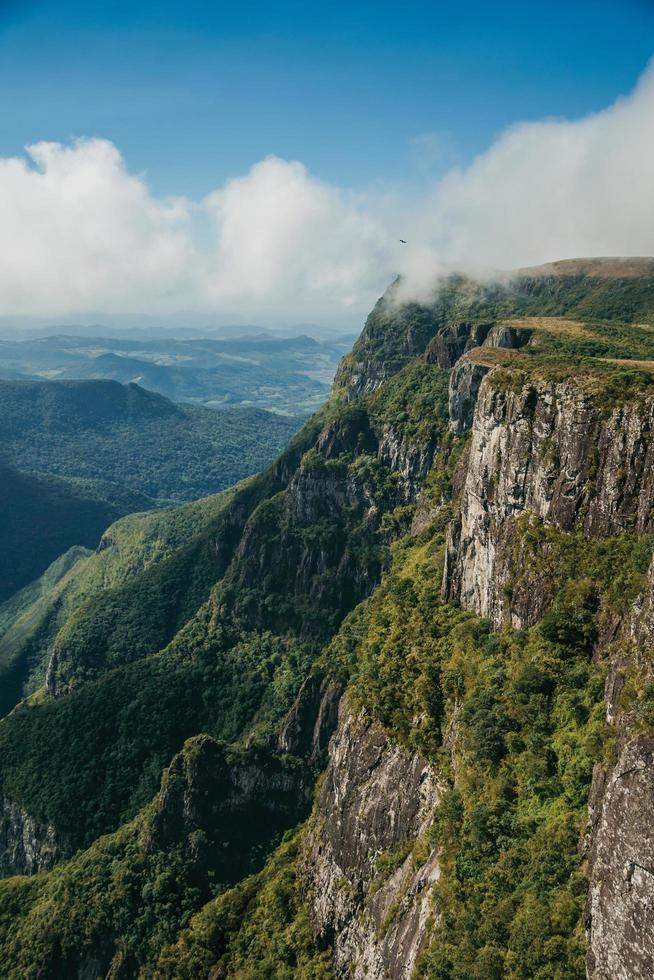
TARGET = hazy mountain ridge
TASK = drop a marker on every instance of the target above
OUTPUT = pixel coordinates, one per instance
(133, 437)
(289, 375)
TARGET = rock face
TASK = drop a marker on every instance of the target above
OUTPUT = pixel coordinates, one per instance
(328, 492)
(465, 382)
(550, 450)
(401, 456)
(394, 333)
(507, 336)
(26, 846)
(620, 912)
(376, 800)
(453, 340)
(469, 372)
(620, 909)
(387, 443)
(311, 721)
(538, 448)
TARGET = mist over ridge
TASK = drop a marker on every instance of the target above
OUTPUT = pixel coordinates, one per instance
(278, 244)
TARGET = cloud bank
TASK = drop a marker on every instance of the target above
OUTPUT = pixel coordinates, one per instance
(79, 232)
(284, 237)
(546, 191)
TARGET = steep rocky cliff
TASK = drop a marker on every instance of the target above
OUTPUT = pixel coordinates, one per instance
(434, 617)
(25, 845)
(619, 913)
(549, 454)
(620, 910)
(555, 451)
(368, 892)
(558, 454)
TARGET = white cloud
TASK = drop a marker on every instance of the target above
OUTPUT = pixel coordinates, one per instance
(545, 191)
(292, 242)
(79, 232)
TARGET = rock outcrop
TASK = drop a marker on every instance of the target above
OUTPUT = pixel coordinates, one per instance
(620, 842)
(465, 382)
(369, 895)
(310, 723)
(557, 452)
(453, 340)
(27, 846)
(552, 450)
(402, 456)
(620, 911)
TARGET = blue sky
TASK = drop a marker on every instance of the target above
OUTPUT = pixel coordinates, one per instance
(259, 162)
(193, 93)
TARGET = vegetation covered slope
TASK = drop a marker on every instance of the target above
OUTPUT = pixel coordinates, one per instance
(43, 516)
(32, 619)
(292, 553)
(12, 609)
(331, 562)
(514, 722)
(126, 435)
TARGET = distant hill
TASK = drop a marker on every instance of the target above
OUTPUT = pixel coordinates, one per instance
(123, 434)
(290, 375)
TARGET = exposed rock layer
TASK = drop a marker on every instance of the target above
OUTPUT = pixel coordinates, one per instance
(620, 911)
(551, 450)
(27, 846)
(376, 799)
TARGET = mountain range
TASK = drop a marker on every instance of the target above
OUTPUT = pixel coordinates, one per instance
(384, 709)
(286, 375)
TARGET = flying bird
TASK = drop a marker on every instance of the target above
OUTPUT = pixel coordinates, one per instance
(402, 241)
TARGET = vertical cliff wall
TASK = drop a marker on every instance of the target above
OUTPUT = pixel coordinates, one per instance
(556, 471)
(366, 882)
(559, 453)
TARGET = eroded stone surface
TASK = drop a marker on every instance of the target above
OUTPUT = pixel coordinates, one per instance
(375, 799)
(547, 449)
(620, 913)
(27, 846)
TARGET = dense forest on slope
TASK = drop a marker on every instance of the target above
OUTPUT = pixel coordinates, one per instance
(32, 619)
(123, 434)
(460, 541)
(42, 516)
(12, 609)
(78, 455)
